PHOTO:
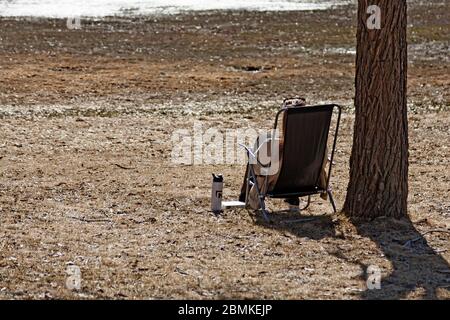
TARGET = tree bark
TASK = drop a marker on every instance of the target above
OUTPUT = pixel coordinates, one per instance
(378, 183)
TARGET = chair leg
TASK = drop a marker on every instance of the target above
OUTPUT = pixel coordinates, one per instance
(261, 197)
(333, 204)
(247, 190)
(307, 205)
(263, 208)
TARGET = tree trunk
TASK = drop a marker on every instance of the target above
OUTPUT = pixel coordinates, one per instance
(379, 162)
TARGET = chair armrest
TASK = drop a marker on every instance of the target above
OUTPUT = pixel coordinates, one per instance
(249, 151)
(254, 154)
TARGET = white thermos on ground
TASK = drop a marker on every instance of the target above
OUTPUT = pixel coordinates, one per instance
(216, 194)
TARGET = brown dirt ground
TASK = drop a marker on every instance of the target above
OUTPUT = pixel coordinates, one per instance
(86, 178)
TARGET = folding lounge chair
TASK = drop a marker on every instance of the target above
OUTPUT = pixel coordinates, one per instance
(306, 131)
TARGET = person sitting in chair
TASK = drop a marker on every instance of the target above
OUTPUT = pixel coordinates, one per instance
(267, 182)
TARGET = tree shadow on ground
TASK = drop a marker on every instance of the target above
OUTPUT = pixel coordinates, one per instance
(300, 225)
(415, 263)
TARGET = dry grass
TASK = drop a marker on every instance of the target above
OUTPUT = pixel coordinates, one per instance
(86, 176)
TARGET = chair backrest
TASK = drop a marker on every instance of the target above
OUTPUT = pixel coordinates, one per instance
(305, 137)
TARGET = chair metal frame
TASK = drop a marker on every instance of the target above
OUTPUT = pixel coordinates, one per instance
(251, 179)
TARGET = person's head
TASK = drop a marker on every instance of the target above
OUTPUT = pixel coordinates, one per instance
(295, 102)
(292, 103)
(288, 103)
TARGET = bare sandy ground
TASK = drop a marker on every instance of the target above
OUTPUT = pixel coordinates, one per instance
(86, 176)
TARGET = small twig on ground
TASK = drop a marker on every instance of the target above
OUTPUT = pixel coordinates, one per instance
(151, 220)
(60, 184)
(410, 242)
(299, 220)
(90, 220)
(444, 271)
(178, 270)
(122, 167)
